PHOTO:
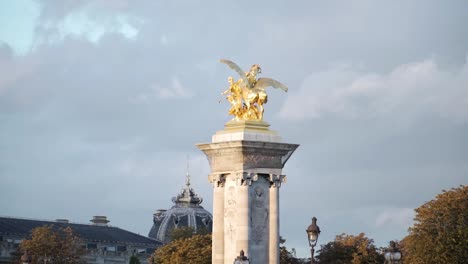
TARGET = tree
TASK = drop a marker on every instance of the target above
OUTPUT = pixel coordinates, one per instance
(134, 260)
(186, 232)
(440, 231)
(181, 233)
(52, 245)
(349, 249)
(195, 250)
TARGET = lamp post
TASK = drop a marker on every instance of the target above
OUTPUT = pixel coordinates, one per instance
(313, 232)
(393, 256)
(242, 259)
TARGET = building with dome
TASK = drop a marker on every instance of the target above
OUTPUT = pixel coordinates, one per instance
(186, 212)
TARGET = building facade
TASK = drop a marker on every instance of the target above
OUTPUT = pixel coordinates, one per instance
(103, 243)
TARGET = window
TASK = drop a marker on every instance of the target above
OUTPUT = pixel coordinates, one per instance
(110, 248)
(121, 248)
(91, 246)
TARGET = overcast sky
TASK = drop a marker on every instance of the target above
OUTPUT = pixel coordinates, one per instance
(101, 101)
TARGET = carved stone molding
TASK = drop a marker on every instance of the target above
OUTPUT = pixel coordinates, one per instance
(244, 178)
(246, 155)
(276, 180)
(218, 180)
(247, 178)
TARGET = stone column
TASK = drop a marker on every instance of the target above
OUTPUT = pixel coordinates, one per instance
(251, 157)
(230, 217)
(275, 183)
(242, 223)
(218, 182)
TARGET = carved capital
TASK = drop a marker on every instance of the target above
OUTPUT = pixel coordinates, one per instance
(276, 180)
(245, 178)
(218, 180)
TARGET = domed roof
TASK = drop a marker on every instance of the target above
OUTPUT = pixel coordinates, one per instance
(185, 212)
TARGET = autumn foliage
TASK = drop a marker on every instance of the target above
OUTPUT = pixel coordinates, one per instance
(195, 249)
(440, 232)
(350, 249)
(53, 245)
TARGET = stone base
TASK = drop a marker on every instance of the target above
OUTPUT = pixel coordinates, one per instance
(246, 130)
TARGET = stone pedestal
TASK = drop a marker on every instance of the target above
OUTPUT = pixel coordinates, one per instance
(246, 160)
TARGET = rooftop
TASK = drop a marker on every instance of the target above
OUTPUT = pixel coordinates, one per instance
(89, 232)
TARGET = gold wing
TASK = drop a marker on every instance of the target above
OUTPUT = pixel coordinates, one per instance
(236, 68)
(263, 83)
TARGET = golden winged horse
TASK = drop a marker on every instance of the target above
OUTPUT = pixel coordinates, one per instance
(251, 90)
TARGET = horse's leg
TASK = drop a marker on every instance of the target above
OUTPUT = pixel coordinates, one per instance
(261, 109)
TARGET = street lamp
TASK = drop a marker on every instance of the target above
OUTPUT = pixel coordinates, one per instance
(242, 259)
(313, 232)
(393, 256)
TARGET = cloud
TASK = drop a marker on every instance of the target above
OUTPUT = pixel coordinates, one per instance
(12, 68)
(163, 40)
(395, 217)
(157, 92)
(408, 91)
(58, 11)
(175, 90)
(84, 19)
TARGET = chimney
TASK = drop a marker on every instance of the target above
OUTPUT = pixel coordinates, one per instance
(99, 220)
(63, 221)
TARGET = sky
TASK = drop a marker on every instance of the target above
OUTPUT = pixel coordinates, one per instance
(102, 101)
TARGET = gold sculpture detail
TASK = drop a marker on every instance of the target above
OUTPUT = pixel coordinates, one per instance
(247, 95)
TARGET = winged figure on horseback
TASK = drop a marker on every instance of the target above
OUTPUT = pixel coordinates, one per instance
(247, 95)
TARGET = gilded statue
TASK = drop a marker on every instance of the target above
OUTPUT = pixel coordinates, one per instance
(247, 95)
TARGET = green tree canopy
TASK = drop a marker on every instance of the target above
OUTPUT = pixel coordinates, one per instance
(349, 249)
(134, 260)
(59, 246)
(440, 231)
